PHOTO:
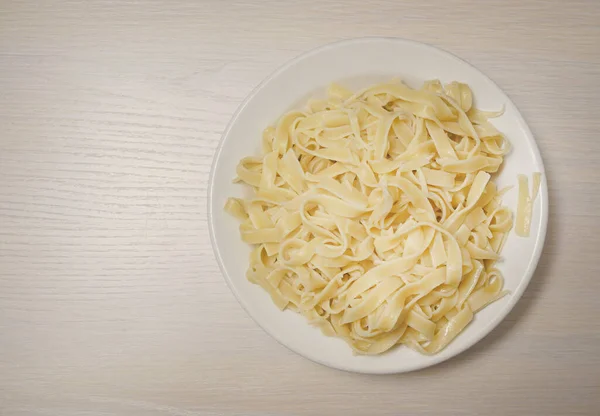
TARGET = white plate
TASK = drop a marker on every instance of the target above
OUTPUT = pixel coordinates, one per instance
(358, 63)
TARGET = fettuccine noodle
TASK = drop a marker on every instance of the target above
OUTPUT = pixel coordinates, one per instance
(525, 203)
(374, 214)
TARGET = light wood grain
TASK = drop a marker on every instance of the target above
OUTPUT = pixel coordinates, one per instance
(111, 302)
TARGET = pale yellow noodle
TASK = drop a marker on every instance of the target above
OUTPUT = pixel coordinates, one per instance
(525, 203)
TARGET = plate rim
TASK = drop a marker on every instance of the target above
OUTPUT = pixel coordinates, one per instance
(516, 295)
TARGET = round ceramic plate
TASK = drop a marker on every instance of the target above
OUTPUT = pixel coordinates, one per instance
(355, 64)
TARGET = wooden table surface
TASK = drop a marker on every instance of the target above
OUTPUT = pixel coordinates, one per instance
(111, 302)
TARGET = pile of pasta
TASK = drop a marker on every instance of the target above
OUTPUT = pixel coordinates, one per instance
(374, 214)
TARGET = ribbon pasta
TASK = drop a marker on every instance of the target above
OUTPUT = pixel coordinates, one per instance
(525, 203)
(374, 214)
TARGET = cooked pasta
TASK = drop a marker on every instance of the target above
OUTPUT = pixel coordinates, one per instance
(525, 204)
(374, 214)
